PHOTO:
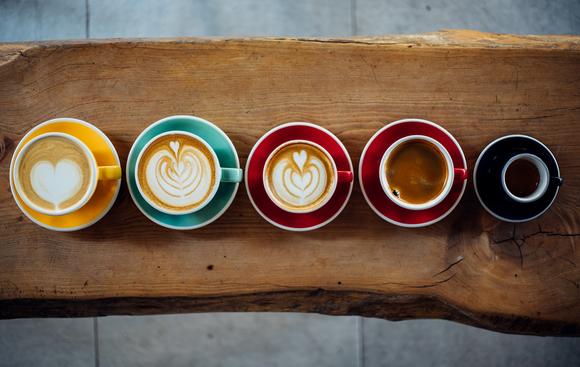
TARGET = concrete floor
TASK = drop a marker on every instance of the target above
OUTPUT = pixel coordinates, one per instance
(273, 339)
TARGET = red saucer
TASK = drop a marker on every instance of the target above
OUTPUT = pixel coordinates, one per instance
(371, 185)
(255, 187)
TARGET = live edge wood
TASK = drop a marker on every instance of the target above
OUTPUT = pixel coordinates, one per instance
(468, 268)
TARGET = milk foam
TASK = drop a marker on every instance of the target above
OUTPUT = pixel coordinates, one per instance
(56, 183)
(299, 179)
(54, 173)
(179, 175)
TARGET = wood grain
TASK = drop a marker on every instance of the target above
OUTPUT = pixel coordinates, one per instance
(469, 267)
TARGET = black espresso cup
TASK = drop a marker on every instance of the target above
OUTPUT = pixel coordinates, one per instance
(516, 178)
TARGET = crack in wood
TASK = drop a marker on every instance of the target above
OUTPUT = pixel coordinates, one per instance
(434, 284)
(539, 232)
(429, 285)
(519, 246)
(550, 234)
(330, 41)
(457, 261)
(519, 242)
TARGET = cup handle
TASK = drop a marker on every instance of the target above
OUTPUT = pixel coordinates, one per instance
(231, 175)
(460, 173)
(344, 176)
(557, 180)
(109, 172)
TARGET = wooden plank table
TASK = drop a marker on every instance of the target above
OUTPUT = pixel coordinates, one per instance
(468, 268)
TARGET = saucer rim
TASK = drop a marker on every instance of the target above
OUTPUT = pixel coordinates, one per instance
(115, 155)
(479, 158)
(203, 223)
(257, 144)
(361, 182)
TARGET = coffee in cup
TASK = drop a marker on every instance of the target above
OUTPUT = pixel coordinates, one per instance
(525, 177)
(416, 172)
(56, 173)
(177, 172)
(300, 176)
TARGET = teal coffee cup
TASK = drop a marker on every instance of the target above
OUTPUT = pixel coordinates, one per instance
(183, 172)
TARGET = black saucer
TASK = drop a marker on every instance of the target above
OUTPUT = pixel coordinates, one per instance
(487, 178)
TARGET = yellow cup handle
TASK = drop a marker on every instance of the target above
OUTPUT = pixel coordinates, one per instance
(109, 172)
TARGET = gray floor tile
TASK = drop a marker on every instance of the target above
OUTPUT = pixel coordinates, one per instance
(47, 342)
(444, 343)
(245, 339)
(29, 20)
(375, 17)
(153, 18)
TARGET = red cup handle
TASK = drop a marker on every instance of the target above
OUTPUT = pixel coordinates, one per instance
(344, 176)
(460, 173)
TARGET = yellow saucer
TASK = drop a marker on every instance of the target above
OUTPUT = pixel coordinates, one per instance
(106, 191)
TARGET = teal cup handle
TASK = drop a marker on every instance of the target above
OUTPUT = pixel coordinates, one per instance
(231, 175)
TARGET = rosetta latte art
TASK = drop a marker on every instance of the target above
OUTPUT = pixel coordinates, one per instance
(179, 175)
(300, 179)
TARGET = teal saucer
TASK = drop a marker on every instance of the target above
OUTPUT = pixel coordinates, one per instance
(224, 149)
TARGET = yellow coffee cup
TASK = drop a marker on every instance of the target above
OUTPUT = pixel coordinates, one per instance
(57, 174)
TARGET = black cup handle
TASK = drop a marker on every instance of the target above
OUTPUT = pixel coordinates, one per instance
(558, 181)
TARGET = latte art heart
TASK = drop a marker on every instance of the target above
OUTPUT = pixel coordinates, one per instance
(177, 173)
(299, 176)
(300, 187)
(56, 184)
(54, 173)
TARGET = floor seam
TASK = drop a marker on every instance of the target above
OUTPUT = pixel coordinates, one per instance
(353, 23)
(87, 19)
(96, 341)
(360, 342)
